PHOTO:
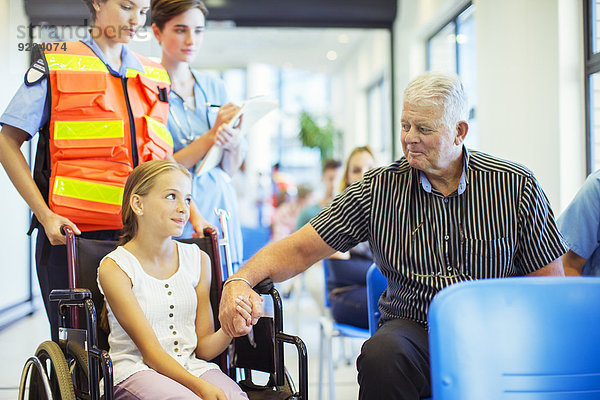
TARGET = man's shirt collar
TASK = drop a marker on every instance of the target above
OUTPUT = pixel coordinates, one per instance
(462, 183)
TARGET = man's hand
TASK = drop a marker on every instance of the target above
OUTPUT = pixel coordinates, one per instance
(232, 321)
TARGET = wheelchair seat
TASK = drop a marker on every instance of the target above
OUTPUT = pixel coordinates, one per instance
(84, 346)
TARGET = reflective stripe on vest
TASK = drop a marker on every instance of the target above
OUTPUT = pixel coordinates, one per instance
(85, 130)
(98, 122)
(160, 130)
(152, 73)
(86, 190)
(71, 62)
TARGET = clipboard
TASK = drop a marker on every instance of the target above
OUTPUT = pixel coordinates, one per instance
(252, 110)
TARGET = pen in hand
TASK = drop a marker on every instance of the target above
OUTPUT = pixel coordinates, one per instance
(213, 105)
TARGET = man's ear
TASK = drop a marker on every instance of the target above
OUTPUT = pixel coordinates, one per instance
(461, 132)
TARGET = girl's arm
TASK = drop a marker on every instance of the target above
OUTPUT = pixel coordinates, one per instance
(117, 291)
(210, 343)
(192, 153)
(17, 170)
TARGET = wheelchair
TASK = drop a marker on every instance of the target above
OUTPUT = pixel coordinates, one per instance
(79, 366)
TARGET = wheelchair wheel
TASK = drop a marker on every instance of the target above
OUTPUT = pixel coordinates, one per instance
(57, 370)
(77, 361)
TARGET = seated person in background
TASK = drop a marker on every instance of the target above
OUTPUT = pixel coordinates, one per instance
(286, 214)
(329, 177)
(580, 226)
(440, 215)
(347, 275)
(157, 290)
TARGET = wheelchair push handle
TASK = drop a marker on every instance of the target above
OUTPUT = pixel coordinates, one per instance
(71, 261)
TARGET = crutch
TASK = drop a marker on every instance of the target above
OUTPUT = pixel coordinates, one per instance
(224, 241)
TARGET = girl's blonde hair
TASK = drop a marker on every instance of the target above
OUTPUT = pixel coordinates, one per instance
(140, 182)
(367, 149)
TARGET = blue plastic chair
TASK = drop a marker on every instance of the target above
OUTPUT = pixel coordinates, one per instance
(254, 239)
(376, 284)
(517, 339)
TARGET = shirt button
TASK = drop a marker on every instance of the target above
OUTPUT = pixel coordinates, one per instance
(446, 237)
(171, 315)
(449, 268)
(167, 285)
(176, 349)
(174, 332)
(171, 306)
(176, 342)
(445, 200)
(170, 293)
(170, 326)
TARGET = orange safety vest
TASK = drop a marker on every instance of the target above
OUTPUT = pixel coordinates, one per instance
(101, 126)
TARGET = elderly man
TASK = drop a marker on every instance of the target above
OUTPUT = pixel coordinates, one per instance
(439, 215)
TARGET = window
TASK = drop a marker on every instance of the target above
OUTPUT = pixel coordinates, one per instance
(452, 49)
(592, 82)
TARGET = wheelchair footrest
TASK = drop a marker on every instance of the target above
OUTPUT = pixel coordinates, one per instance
(260, 392)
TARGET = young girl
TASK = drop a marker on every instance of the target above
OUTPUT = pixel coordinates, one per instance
(157, 292)
(195, 119)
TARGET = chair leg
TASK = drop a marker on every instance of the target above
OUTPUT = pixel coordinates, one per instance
(321, 356)
(331, 369)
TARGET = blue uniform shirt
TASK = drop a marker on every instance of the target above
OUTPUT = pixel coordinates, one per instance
(580, 224)
(214, 188)
(28, 110)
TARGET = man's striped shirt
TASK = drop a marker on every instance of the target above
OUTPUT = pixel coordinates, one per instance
(498, 224)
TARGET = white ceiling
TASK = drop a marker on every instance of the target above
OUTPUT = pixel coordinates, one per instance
(298, 48)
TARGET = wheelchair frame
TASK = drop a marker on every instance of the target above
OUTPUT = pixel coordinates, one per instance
(72, 368)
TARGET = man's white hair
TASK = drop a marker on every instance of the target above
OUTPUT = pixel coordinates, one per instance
(439, 89)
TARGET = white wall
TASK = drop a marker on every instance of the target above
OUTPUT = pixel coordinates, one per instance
(14, 214)
(530, 83)
(370, 61)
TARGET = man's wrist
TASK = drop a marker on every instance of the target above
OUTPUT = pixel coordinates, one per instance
(238, 279)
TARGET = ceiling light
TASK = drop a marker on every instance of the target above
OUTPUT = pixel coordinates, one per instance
(461, 38)
(215, 3)
(343, 38)
(332, 55)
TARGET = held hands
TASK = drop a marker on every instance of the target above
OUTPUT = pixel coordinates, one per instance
(240, 308)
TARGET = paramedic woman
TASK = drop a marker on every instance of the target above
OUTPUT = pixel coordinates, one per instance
(100, 110)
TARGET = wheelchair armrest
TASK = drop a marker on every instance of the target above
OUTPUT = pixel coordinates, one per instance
(70, 294)
(302, 360)
(264, 286)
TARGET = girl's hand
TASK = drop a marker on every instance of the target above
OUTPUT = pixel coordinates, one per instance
(208, 391)
(244, 307)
